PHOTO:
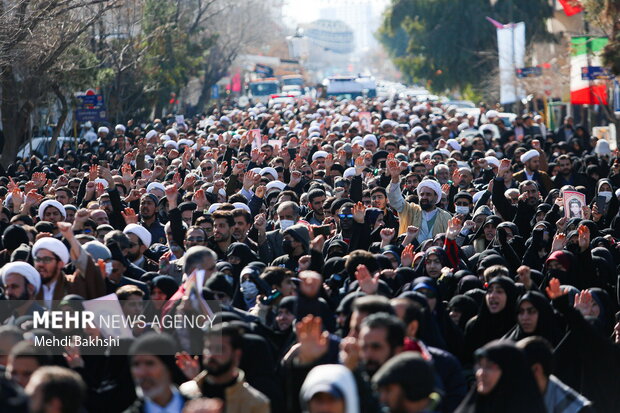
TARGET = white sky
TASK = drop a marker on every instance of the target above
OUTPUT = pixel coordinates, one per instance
(302, 11)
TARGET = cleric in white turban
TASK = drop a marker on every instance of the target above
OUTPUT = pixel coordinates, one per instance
(52, 211)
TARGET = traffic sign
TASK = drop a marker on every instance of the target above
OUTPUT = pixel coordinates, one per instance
(533, 71)
(215, 91)
(595, 73)
(93, 115)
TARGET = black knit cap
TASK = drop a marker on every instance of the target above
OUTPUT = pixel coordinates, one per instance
(160, 345)
(411, 372)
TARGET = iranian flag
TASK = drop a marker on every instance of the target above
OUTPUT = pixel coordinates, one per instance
(584, 92)
(571, 7)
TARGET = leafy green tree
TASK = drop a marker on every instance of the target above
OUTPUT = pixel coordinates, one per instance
(450, 43)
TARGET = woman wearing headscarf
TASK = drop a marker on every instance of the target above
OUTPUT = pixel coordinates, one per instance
(239, 255)
(461, 309)
(495, 318)
(586, 359)
(485, 234)
(538, 245)
(609, 209)
(373, 218)
(504, 382)
(535, 317)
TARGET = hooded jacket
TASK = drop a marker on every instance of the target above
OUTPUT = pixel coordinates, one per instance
(331, 378)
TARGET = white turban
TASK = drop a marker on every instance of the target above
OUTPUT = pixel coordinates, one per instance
(220, 192)
(279, 185)
(269, 170)
(492, 160)
(52, 245)
(172, 132)
(140, 232)
(532, 153)
(151, 134)
(349, 172)
(155, 185)
(187, 142)
(171, 143)
(120, 127)
(430, 184)
(213, 207)
(51, 203)
(492, 114)
(417, 129)
(25, 270)
(102, 182)
(319, 154)
(454, 144)
(241, 205)
(370, 138)
(103, 129)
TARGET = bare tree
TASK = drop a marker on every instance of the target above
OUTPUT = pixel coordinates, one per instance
(237, 26)
(34, 37)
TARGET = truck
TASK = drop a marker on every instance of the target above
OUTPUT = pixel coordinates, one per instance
(261, 90)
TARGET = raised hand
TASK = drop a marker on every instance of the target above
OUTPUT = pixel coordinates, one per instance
(584, 303)
(99, 189)
(366, 281)
(457, 177)
(360, 165)
(65, 229)
(559, 240)
(176, 180)
(524, 276)
(172, 192)
(190, 180)
(260, 222)
(387, 234)
(359, 212)
(130, 216)
(393, 169)
(313, 343)
(586, 212)
(189, 365)
(260, 191)
(248, 179)
(147, 174)
(504, 166)
(584, 237)
(553, 290)
(200, 199)
(224, 167)
(295, 179)
(406, 257)
(454, 228)
(238, 169)
(32, 197)
(81, 216)
(317, 243)
(93, 173)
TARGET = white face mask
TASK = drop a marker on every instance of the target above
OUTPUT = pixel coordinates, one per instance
(249, 290)
(285, 223)
(108, 268)
(460, 209)
(606, 194)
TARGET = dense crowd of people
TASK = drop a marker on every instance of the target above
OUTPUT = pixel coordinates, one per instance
(420, 261)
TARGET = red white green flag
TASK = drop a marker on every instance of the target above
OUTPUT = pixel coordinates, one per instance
(586, 92)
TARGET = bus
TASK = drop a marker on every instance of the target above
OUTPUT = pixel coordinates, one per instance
(350, 87)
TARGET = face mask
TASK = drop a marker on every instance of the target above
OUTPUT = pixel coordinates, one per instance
(287, 247)
(606, 194)
(249, 290)
(108, 268)
(461, 209)
(285, 223)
